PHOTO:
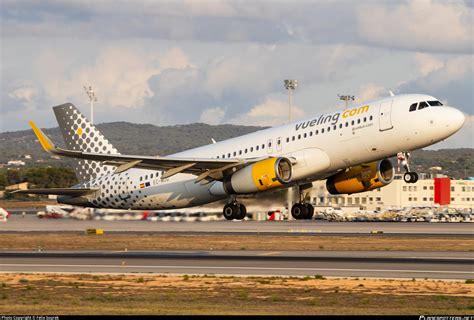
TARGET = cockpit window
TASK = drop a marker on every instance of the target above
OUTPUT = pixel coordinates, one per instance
(435, 103)
(422, 105)
(413, 107)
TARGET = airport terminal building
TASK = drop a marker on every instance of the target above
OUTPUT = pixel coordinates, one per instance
(428, 191)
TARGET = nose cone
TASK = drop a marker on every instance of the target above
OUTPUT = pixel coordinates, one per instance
(456, 119)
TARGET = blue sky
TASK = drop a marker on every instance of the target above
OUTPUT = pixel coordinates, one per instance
(175, 62)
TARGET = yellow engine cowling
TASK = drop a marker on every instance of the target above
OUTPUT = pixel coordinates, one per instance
(259, 176)
(364, 177)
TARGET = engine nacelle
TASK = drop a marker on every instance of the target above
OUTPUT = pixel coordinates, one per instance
(364, 177)
(259, 176)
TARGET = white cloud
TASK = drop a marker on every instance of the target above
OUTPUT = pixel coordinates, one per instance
(26, 93)
(174, 58)
(268, 113)
(119, 75)
(212, 116)
(371, 91)
(418, 24)
(427, 63)
(440, 74)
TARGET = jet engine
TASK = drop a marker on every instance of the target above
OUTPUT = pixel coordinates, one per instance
(259, 176)
(364, 177)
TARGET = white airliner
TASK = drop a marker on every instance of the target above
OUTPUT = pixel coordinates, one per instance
(349, 148)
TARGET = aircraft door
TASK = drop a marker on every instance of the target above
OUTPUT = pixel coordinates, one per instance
(385, 115)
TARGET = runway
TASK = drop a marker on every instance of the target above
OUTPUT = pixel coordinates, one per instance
(31, 223)
(399, 264)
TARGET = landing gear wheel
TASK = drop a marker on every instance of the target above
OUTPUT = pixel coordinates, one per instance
(309, 211)
(410, 177)
(407, 177)
(231, 211)
(299, 211)
(242, 212)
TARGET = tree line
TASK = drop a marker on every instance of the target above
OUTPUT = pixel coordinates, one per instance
(52, 177)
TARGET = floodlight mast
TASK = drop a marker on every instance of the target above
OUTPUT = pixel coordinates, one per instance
(346, 98)
(92, 98)
(290, 85)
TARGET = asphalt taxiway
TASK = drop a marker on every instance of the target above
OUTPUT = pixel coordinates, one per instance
(398, 264)
(30, 223)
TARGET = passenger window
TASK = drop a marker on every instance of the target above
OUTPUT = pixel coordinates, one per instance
(257, 147)
(304, 136)
(423, 105)
(316, 132)
(299, 136)
(329, 129)
(228, 155)
(235, 153)
(334, 127)
(371, 118)
(322, 130)
(340, 125)
(311, 133)
(365, 119)
(358, 120)
(413, 107)
(151, 176)
(352, 122)
(293, 138)
(245, 150)
(263, 145)
(240, 152)
(347, 124)
(287, 140)
(251, 149)
(435, 103)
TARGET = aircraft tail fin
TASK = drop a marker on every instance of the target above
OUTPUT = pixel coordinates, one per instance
(81, 135)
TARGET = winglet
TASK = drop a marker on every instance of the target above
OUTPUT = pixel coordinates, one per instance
(47, 145)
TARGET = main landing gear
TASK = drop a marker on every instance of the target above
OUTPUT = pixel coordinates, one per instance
(234, 210)
(302, 210)
(409, 176)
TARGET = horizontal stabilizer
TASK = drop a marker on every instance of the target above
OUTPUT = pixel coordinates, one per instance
(76, 192)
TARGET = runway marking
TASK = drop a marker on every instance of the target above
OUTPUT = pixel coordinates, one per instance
(273, 253)
(235, 268)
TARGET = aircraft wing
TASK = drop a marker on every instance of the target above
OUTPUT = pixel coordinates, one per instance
(204, 168)
(59, 191)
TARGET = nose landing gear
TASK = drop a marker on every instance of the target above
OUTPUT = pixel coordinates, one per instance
(410, 177)
(403, 159)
